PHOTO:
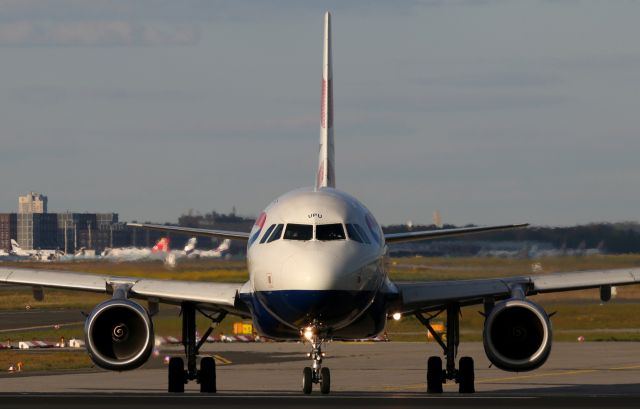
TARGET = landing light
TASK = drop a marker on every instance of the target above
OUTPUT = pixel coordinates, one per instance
(396, 316)
(308, 333)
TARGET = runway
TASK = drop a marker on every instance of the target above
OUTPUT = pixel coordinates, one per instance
(27, 320)
(363, 374)
(252, 401)
(35, 319)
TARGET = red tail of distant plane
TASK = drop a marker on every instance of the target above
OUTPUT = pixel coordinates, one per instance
(161, 246)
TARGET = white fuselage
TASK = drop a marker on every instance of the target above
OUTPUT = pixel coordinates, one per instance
(315, 258)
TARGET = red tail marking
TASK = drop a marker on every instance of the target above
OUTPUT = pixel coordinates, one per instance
(161, 246)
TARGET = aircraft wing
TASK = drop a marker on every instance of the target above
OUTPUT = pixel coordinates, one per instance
(430, 296)
(224, 234)
(437, 234)
(216, 296)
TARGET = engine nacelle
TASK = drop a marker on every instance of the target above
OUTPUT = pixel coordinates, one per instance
(517, 335)
(119, 335)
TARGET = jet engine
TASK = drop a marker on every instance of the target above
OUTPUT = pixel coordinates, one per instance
(517, 335)
(119, 335)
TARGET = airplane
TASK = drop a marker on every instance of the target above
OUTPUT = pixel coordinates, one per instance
(158, 251)
(221, 251)
(39, 255)
(10, 256)
(316, 273)
(190, 251)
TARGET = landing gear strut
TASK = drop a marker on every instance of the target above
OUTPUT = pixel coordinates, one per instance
(436, 376)
(316, 373)
(206, 376)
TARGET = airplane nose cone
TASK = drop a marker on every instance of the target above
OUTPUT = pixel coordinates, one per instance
(318, 286)
(316, 271)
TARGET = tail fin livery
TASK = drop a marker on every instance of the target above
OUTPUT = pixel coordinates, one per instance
(161, 246)
(15, 246)
(191, 245)
(326, 173)
(224, 246)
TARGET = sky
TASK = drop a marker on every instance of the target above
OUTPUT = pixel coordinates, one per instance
(488, 111)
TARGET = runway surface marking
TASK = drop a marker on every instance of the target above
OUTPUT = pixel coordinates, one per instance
(520, 377)
(69, 324)
(221, 360)
(622, 368)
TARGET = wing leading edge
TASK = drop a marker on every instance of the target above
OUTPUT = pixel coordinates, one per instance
(436, 234)
(223, 234)
(429, 296)
(210, 295)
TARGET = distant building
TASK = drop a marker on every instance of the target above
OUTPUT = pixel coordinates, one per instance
(8, 230)
(32, 203)
(34, 228)
(37, 231)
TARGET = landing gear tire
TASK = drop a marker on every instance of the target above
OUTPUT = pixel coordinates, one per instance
(434, 375)
(307, 380)
(176, 375)
(325, 381)
(207, 375)
(466, 377)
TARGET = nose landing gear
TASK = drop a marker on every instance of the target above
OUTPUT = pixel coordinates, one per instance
(316, 373)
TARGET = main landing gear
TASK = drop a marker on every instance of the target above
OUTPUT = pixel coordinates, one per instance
(316, 373)
(206, 376)
(436, 376)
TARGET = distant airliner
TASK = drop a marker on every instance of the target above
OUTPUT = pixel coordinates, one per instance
(316, 273)
(38, 255)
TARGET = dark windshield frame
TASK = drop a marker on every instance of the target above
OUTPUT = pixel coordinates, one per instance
(277, 233)
(298, 232)
(353, 233)
(267, 234)
(330, 232)
(363, 233)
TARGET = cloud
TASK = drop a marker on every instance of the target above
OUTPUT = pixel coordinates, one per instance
(96, 33)
(154, 23)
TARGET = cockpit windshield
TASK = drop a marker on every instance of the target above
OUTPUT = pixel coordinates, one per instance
(298, 232)
(325, 232)
(277, 232)
(267, 233)
(356, 233)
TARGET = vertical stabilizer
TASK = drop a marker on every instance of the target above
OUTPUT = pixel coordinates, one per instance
(326, 176)
(162, 246)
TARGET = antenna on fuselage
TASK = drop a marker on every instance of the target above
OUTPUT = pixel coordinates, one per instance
(326, 176)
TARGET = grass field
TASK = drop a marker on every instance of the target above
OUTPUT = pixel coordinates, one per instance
(35, 361)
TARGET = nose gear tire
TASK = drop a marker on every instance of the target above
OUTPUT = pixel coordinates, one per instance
(307, 380)
(325, 381)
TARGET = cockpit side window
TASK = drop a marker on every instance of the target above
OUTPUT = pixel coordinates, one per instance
(298, 232)
(353, 233)
(277, 232)
(363, 234)
(326, 232)
(267, 233)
